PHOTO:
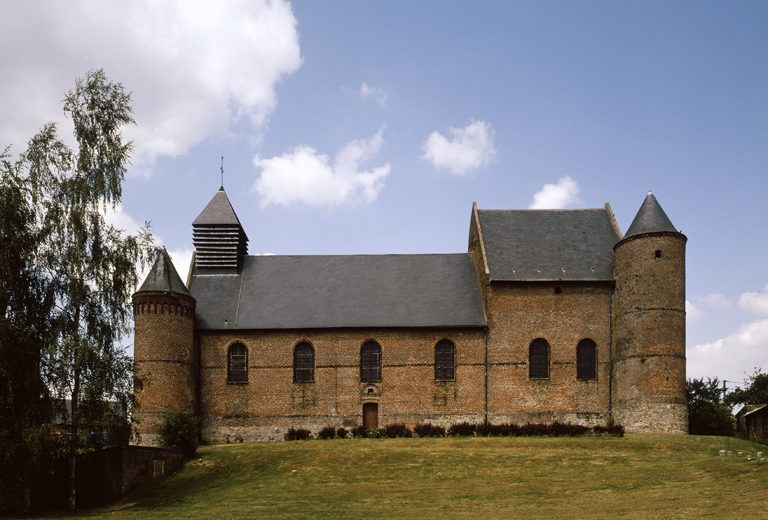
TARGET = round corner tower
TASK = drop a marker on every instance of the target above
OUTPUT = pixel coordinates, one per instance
(649, 325)
(164, 316)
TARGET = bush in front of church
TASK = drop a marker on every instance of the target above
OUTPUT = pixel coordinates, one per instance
(180, 431)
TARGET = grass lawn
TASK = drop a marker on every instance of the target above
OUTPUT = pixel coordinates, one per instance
(639, 476)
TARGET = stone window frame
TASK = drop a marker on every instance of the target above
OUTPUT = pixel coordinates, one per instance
(304, 370)
(445, 361)
(237, 376)
(586, 360)
(537, 370)
(370, 361)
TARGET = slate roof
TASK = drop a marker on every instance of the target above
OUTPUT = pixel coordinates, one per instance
(650, 218)
(219, 239)
(341, 291)
(163, 277)
(218, 212)
(548, 245)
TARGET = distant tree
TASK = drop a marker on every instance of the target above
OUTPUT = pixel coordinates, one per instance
(756, 391)
(707, 415)
(87, 267)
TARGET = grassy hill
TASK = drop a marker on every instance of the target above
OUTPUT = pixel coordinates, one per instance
(639, 476)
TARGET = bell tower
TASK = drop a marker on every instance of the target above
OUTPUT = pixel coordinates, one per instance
(648, 311)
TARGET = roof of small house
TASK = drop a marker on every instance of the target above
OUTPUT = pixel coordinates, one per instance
(549, 245)
(341, 291)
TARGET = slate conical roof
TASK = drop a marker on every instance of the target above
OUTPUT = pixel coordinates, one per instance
(219, 211)
(650, 219)
(163, 277)
(220, 241)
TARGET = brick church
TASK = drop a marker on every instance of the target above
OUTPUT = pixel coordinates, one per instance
(550, 315)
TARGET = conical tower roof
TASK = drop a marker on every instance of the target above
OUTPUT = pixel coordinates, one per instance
(218, 212)
(220, 241)
(650, 219)
(163, 277)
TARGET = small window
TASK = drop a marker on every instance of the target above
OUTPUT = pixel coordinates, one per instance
(586, 359)
(444, 360)
(538, 359)
(658, 253)
(303, 363)
(370, 362)
(237, 364)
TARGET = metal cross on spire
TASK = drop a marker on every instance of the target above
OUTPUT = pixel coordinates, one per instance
(222, 172)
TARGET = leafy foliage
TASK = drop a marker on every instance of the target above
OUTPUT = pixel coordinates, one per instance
(462, 429)
(395, 430)
(327, 433)
(429, 430)
(67, 276)
(180, 431)
(27, 445)
(707, 415)
(297, 434)
(756, 391)
(342, 433)
(358, 431)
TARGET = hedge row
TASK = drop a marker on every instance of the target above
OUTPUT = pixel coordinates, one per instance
(464, 429)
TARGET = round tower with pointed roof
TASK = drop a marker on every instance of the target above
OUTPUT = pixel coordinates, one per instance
(164, 314)
(648, 310)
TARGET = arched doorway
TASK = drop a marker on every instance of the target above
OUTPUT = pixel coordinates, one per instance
(370, 415)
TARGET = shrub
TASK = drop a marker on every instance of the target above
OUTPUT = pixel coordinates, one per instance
(559, 429)
(373, 433)
(297, 434)
(180, 430)
(358, 431)
(396, 430)
(429, 430)
(462, 429)
(484, 429)
(327, 433)
(342, 433)
(610, 429)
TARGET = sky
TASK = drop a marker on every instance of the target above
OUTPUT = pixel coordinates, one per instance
(352, 127)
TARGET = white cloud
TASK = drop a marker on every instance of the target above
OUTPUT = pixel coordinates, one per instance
(304, 176)
(194, 67)
(728, 357)
(556, 196)
(468, 148)
(375, 92)
(755, 302)
(182, 258)
(691, 312)
(718, 301)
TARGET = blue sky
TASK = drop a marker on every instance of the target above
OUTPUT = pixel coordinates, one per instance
(371, 127)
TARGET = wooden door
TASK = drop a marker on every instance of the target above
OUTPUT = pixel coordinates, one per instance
(370, 415)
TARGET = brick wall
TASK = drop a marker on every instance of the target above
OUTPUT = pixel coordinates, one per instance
(164, 355)
(271, 402)
(649, 334)
(563, 314)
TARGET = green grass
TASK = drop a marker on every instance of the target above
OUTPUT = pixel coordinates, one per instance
(639, 476)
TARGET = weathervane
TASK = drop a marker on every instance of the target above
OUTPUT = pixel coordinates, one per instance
(222, 171)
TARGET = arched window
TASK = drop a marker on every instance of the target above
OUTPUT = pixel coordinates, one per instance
(303, 363)
(370, 362)
(444, 360)
(237, 364)
(586, 359)
(538, 359)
